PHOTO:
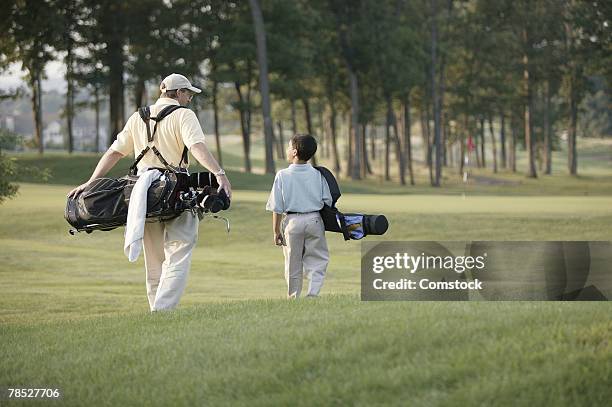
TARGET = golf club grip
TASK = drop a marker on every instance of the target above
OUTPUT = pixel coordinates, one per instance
(203, 179)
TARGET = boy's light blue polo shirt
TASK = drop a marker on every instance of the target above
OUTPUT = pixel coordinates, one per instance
(298, 188)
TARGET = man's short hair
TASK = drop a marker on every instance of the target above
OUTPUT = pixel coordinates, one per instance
(171, 94)
(174, 93)
(306, 146)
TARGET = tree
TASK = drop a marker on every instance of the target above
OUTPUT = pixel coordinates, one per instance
(8, 168)
(30, 29)
(346, 15)
(264, 86)
(329, 70)
(392, 57)
(106, 29)
(65, 41)
(93, 78)
(435, 96)
(215, 106)
(587, 48)
(234, 53)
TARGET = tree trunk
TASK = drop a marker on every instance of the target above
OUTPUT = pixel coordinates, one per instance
(139, 90)
(36, 98)
(264, 85)
(349, 147)
(373, 137)
(215, 103)
(547, 130)
(244, 128)
(309, 128)
(332, 125)
(322, 133)
(493, 143)
(461, 158)
(280, 151)
(387, 141)
(462, 152)
(116, 87)
(445, 137)
(356, 153)
(398, 150)
(69, 99)
(248, 101)
(482, 143)
(435, 94)
(502, 135)
(513, 145)
(476, 141)
(97, 114)
(366, 168)
(293, 118)
(527, 111)
(308, 117)
(451, 150)
(425, 136)
(572, 158)
(428, 147)
(408, 137)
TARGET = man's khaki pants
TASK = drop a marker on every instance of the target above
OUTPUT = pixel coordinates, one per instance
(167, 252)
(305, 252)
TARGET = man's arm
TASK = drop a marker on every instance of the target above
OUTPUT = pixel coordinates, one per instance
(108, 161)
(200, 152)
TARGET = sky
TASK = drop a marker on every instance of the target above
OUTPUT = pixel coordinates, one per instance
(54, 71)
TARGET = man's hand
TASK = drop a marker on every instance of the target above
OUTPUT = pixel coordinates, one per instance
(77, 190)
(200, 152)
(225, 185)
(279, 240)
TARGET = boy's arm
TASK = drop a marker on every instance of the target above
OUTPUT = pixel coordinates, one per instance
(276, 229)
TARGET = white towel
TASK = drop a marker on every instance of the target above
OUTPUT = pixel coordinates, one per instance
(137, 214)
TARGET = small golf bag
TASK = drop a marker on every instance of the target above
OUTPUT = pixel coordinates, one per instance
(103, 204)
(353, 226)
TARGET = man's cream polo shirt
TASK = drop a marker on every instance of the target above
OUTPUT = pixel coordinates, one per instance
(179, 129)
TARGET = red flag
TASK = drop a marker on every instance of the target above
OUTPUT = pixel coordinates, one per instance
(470, 144)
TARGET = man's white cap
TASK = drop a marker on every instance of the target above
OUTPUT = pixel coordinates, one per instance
(177, 81)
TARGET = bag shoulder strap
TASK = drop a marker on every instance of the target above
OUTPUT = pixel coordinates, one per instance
(160, 116)
(145, 115)
(334, 189)
(166, 112)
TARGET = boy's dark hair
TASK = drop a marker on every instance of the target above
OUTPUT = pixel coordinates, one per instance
(306, 146)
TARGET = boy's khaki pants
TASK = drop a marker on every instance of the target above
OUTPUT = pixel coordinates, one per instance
(305, 251)
(167, 251)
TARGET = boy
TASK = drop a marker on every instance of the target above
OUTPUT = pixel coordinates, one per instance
(299, 192)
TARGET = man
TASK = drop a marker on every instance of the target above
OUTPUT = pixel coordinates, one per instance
(167, 245)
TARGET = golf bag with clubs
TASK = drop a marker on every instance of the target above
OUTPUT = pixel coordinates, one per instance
(353, 226)
(103, 204)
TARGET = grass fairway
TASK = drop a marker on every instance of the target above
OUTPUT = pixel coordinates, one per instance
(332, 351)
(74, 315)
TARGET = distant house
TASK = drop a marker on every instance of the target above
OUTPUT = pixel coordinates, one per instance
(52, 135)
(8, 123)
